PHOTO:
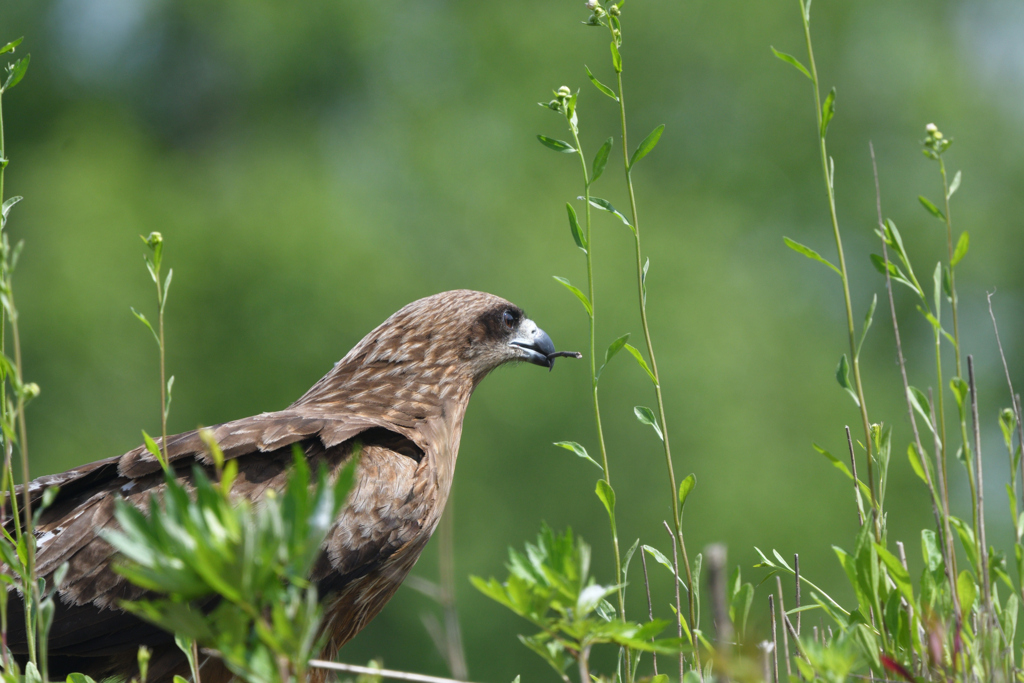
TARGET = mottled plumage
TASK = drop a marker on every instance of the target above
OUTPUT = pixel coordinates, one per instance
(402, 391)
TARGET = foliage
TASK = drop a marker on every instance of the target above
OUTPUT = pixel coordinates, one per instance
(234, 577)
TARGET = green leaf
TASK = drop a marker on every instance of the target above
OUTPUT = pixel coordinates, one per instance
(574, 227)
(915, 462)
(966, 590)
(17, 72)
(921, 404)
(839, 464)
(828, 110)
(556, 145)
(643, 364)
(843, 377)
(954, 186)
(9, 47)
(809, 253)
(601, 159)
(932, 209)
(790, 59)
(685, 488)
(8, 204)
(153, 449)
(607, 495)
(961, 248)
(606, 205)
(600, 86)
(578, 450)
(616, 58)
(145, 322)
(579, 295)
(613, 349)
(899, 575)
(647, 145)
(647, 417)
(867, 323)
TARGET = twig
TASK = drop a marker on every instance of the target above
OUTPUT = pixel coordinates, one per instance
(383, 673)
(679, 604)
(454, 653)
(796, 574)
(775, 640)
(986, 583)
(650, 606)
(1014, 398)
(785, 634)
(941, 520)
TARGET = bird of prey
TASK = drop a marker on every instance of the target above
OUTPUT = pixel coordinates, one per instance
(402, 392)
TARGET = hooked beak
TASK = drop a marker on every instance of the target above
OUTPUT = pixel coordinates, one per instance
(537, 346)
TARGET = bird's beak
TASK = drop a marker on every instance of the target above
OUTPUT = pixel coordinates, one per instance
(535, 343)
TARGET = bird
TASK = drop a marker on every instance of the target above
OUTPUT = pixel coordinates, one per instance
(402, 392)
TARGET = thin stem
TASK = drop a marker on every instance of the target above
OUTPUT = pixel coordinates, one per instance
(454, 653)
(593, 366)
(163, 372)
(940, 513)
(679, 607)
(383, 673)
(615, 28)
(855, 361)
(650, 605)
(1014, 400)
(986, 584)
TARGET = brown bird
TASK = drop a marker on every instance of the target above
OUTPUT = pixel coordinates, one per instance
(402, 391)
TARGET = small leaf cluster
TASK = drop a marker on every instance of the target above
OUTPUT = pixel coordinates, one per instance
(231, 577)
(550, 586)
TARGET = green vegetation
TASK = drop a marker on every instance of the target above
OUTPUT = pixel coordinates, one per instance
(358, 189)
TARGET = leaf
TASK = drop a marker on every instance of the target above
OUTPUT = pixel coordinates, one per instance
(867, 323)
(843, 377)
(961, 248)
(601, 159)
(839, 464)
(606, 205)
(647, 417)
(954, 186)
(647, 145)
(153, 449)
(578, 450)
(828, 110)
(607, 495)
(556, 145)
(616, 58)
(579, 295)
(145, 322)
(8, 204)
(17, 72)
(790, 59)
(915, 462)
(685, 488)
(810, 253)
(9, 47)
(640, 359)
(921, 404)
(899, 575)
(613, 349)
(574, 227)
(932, 209)
(966, 590)
(600, 86)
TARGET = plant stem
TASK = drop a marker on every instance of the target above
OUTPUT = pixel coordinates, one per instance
(855, 361)
(613, 25)
(593, 365)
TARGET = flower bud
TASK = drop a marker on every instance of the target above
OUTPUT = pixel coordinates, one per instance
(931, 128)
(592, 5)
(31, 390)
(154, 240)
(614, 10)
(564, 91)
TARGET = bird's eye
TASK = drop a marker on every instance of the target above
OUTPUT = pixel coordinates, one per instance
(509, 318)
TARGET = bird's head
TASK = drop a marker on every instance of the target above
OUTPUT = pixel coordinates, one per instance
(472, 331)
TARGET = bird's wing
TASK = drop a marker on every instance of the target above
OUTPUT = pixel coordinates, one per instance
(376, 521)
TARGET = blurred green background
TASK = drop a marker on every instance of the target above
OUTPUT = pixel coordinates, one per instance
(314, 166)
